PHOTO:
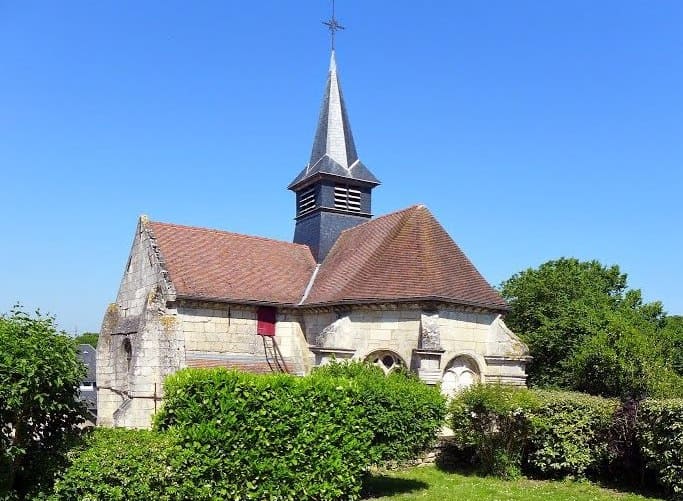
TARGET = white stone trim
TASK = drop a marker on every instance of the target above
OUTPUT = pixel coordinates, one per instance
(309, 286)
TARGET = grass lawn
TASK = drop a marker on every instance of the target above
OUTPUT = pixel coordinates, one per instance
(430, 484)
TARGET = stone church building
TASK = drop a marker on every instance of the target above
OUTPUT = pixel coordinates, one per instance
(395, 290)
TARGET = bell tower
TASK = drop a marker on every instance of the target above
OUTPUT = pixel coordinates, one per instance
(333, 192)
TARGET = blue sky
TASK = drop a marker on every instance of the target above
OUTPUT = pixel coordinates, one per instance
(531, 129)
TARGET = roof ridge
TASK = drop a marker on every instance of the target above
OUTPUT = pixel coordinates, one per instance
(433, 247)
(383, 216)
(309, 286)
(379, 218)
(226, 232)
(445, 233)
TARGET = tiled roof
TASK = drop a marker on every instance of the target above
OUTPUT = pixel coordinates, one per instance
(401, 256)
(218, 265)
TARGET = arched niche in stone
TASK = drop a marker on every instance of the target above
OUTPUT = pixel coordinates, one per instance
(127, 352)
(460, 373)
(386, 360)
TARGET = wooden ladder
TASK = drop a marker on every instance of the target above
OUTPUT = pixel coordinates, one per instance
(273, 355)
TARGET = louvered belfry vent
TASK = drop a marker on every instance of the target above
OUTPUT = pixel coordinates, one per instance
(346, 198)
(307, 201)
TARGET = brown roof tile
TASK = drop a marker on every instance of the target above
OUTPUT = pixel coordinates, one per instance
(401, 256)
(219, 265)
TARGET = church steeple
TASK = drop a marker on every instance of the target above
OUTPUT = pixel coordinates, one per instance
(334, 137)
(334, 151)
(333, 191)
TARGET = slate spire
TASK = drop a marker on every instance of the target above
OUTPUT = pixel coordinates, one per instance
(333, 136)
(334, 150)
(333, 191)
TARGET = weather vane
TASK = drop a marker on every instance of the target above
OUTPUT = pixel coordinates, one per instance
(333, 25)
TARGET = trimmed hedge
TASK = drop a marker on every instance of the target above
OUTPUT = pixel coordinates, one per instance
(239, 436)
(222, 434)
(118, 465)
(547, 434)
(403, 413)
(268, 436)
(660, 436)
(570, 434)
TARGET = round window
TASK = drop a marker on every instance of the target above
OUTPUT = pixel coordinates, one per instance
(385, 360)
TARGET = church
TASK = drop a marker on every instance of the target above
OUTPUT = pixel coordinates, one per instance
(394, 290)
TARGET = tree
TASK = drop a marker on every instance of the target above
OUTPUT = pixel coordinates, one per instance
(87, 338)
(39, 412)
(625, 360)
(671, 339)
(587, 331)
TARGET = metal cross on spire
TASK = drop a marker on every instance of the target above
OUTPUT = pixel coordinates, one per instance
(333, 25)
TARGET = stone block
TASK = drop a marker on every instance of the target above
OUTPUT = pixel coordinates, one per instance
(380, 335)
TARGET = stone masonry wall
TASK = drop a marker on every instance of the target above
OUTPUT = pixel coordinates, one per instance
(479, 336)
(139, 342)
(225, 335)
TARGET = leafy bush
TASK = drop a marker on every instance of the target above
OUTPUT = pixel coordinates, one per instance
(268, 436)
(660, 435)
(558, 305)
(39, 413)
(493, 420)
(403, 413)
(228, 435)
(625, 361)
(545, 433)
(671, 341)
(118, 464)
(569, 434)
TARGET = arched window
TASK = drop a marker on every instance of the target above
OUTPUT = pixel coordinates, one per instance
(460, 373)
(386, 360)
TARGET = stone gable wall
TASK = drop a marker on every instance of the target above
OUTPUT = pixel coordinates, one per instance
(130, 380)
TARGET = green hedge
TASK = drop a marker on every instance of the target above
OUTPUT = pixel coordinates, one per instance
(492, 421)
(268, 436)
(222, 434)
(570, 434)
(403, 413)
(118, 465)
(228, 435)
(547, 434)
(660, 436)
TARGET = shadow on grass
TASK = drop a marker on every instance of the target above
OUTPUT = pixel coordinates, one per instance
(643, 486)
(453, 459)
(461, 461)
(378, 485)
